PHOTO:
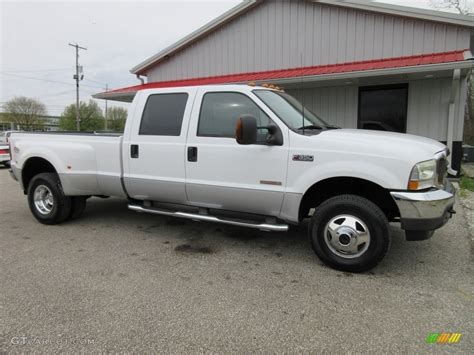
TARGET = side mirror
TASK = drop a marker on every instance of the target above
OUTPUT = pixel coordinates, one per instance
(275, 137)
(246, 130)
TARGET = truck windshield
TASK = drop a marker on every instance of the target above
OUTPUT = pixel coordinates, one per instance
(291, 111)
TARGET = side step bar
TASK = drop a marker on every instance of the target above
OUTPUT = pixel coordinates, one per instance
(208, 218)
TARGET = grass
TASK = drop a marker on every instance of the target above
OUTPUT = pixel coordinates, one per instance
(467, 183)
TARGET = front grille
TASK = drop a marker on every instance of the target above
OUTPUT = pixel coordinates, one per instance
(441, 169)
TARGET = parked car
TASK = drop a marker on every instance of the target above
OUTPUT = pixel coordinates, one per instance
(5, 136)
(200, 152)
(4, 154)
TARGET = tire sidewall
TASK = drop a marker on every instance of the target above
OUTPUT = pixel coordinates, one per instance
(372, 217)
(60, 202)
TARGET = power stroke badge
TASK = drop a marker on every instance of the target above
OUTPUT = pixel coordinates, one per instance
(302, 157)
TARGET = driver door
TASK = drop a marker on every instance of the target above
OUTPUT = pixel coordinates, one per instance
(222, 174)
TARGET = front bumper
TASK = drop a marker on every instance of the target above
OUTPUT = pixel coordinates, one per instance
(423, 212)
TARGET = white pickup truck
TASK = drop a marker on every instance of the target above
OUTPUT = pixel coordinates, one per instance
(246, 156)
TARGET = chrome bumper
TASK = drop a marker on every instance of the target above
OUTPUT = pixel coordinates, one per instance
(424, 211)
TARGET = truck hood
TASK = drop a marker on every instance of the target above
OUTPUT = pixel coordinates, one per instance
(385, 144)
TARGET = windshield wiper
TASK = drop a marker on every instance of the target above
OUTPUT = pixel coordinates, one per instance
(309, 127)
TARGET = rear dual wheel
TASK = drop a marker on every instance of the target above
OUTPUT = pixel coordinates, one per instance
(47, 201)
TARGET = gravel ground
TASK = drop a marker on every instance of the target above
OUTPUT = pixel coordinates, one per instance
(116, 280)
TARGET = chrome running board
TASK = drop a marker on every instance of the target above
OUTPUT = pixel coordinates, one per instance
(209, 218)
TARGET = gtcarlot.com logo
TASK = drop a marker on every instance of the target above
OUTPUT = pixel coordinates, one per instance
(443, 338)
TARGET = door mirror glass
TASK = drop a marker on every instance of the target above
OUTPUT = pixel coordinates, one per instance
(246, 130)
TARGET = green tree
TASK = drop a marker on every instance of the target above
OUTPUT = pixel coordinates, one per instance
(116, 117)
(25, 112)
(90, 113)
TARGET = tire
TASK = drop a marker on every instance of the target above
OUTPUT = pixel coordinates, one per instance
(53, 207)
(78, 205)
(6, 164)
(349, 233)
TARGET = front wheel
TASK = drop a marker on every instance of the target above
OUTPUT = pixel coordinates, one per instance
(349, 233)
(46, 199)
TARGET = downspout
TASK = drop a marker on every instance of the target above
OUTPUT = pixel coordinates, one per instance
(451, 112)
(141, 79)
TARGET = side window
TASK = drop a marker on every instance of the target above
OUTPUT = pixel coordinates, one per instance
(220, 111)
(163, 115)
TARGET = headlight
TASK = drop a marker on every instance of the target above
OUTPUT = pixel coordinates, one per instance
(423, 175)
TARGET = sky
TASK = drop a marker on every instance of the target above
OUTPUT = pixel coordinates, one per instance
(36, 61)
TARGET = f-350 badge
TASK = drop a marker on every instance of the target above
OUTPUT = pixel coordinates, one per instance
(302, 157)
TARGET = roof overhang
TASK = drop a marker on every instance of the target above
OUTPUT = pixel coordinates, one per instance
(413, 65)
(403, 11)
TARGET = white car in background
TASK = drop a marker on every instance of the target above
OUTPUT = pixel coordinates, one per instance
(5, 155)
(5, 136)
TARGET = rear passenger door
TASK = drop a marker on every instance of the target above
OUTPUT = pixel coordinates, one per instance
(156, 148)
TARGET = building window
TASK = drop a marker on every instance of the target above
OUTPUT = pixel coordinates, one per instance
(163, 115)
(383, 108)
(220, 111)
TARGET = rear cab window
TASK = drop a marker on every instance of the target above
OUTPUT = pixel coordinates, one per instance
(163, 114)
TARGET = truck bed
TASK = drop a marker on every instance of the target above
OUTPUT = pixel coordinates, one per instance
(88, 163)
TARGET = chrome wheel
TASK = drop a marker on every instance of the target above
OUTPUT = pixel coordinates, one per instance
(347, 236)
(43, 199)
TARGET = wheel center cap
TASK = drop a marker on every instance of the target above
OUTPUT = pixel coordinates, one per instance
(344, 239)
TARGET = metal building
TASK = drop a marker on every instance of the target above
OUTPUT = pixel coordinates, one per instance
(357, 64)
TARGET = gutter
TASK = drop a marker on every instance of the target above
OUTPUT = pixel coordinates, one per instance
(374, 72)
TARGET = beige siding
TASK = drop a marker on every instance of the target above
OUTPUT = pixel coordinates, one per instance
(286, 34)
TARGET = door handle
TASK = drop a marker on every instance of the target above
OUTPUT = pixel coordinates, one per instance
(134, 151)
(192, 154)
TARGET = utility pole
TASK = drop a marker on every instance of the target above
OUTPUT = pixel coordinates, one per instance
(106, 89)
(78, 79)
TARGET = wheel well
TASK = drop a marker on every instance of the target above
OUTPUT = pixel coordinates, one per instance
(33, 167)
(325, 189)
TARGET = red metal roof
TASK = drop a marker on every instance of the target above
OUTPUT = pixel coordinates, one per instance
(434, 58)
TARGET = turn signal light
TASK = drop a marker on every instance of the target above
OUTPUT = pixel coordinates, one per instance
(413, 185)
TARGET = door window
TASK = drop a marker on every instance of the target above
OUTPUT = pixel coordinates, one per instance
(221, 110)
(383, 108)
(163, 115)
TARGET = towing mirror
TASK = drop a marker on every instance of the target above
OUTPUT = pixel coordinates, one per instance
(246, 130)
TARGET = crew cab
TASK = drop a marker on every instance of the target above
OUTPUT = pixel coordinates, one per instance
(247, 156)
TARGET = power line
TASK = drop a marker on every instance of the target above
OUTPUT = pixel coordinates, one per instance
(33, 70)
(47, 80)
